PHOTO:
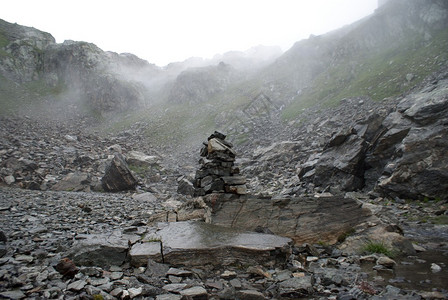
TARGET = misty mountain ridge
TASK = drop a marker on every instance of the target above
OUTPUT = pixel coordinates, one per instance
(380, 56)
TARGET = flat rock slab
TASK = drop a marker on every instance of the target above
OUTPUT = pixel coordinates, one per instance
(187, 243)
(101, 249)
(197, 244)
(305, 220)
(140, 253)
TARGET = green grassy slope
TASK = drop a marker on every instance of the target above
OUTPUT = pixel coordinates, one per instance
(378, 75)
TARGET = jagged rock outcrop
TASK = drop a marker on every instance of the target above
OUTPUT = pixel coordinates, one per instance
(85, 67)
(198, 85)
(419, 166)
(402, 154)
(21, 56)
(80, 69)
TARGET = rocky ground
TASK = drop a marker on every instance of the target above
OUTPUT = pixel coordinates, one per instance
(42, 220)
(39, 229)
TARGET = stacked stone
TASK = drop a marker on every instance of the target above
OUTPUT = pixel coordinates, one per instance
(217, 173)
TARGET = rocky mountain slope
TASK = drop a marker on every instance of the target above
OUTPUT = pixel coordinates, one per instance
(341, 142)
(74, 73)
(350, 78)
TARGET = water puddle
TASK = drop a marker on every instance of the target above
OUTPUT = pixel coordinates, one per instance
(426, 271)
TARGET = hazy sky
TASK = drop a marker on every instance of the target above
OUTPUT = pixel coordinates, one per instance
(165, 31)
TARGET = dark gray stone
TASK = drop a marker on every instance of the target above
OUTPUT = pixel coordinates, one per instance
(296, 287)
(118, 177)
(101, 249)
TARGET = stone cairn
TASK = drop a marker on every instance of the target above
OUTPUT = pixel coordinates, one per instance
(217, 173)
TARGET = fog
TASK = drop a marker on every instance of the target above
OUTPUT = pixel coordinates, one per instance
(163, 32)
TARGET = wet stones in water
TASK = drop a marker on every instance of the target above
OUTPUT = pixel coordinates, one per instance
(217, 172)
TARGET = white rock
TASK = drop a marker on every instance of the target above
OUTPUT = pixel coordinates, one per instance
(134, 292)
(435, 268)
(115, 148)
(9, 179)
(71, 138)
(312, 258)
(418, 248)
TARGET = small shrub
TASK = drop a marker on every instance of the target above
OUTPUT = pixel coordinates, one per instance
(377, 247)
(323, 244)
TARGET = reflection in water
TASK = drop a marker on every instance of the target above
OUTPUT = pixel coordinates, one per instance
(198, 235)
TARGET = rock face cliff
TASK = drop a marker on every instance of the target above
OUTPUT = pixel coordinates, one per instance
(81, 69)
(400, 154)
(200, 84)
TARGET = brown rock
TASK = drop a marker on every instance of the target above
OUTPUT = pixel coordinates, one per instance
(66, 268)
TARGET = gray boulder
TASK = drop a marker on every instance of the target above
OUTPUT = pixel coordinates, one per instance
(101, 249)
(118, 176)
(185, 187)
(73, 182)
(296, 287)
(422, 169)
(341, 165)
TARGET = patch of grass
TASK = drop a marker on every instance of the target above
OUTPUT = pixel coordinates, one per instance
(153, 239)
(379, 248)
(140, 170)
(3, 40)
(240, 139)
(322, 243)
(439, 220)
(3, 43)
